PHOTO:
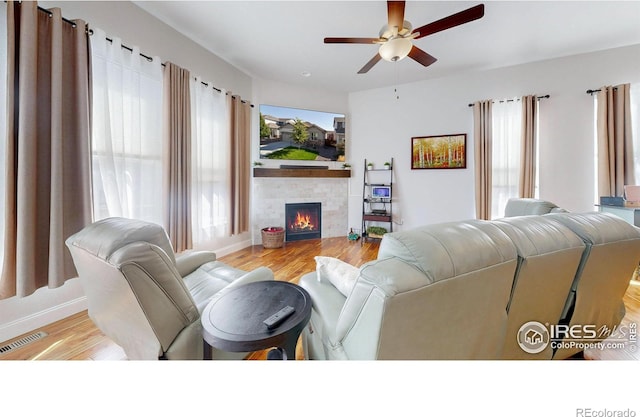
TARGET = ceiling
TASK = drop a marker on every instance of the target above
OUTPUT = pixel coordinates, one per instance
(279, 40)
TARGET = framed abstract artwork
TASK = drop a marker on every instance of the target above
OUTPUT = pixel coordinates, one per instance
(439, 152)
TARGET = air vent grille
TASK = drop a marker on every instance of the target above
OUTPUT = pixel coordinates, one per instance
(16, 344)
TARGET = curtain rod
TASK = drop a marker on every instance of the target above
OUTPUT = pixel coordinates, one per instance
(509, 101)
(592, 92)
(150, 59)
(71, 22)
(42, 9)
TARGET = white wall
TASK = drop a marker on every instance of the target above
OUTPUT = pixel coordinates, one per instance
(381, 127)
(135, 27)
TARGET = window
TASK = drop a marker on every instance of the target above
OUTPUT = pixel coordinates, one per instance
(507, 127)
(210, 165)
(127, 133)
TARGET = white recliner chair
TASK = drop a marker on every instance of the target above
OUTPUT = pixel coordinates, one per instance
(610, 258)
(548, 257)
(143, 296)
(530, 206)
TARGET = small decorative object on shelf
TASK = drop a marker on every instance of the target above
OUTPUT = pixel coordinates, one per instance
(346, 166)
(257, 164)
(376, 231)
(387, 165)
(370, 165)
(272, 237)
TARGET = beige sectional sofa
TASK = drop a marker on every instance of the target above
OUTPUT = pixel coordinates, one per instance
(474, 289)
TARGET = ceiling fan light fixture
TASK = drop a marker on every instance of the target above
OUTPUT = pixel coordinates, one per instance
(395, 49)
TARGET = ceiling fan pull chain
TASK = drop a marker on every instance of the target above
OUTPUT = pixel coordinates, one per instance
(395, 89)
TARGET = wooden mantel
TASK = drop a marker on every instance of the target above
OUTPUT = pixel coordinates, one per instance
(300, 173)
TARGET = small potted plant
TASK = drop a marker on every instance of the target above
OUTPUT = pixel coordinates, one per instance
(370, 165)
(257, 164)
(376, 231)
(387, 165)
(346, 165)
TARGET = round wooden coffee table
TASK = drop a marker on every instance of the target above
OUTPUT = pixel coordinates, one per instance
(233, 322)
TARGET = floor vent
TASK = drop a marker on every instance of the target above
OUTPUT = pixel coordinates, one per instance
(16, 344)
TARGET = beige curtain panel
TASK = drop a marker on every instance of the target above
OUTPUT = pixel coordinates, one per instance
(240, 132)
(177, 157)
(48, 166)
(528, 149)
(615, 147)
(482, 151)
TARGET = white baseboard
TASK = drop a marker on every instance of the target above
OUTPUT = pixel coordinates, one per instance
(232, 248)
(42, 318)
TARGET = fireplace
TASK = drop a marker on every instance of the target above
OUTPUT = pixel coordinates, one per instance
(303, 221)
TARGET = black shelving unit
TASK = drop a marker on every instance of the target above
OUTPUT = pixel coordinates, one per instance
(377, 199)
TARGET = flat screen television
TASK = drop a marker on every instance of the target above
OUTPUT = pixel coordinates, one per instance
(288, 133)
(380, 192)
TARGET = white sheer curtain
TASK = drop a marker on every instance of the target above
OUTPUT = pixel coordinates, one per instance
(507, 127)
(3, 117)
(210, 163)
(127, 133)
(634, 92)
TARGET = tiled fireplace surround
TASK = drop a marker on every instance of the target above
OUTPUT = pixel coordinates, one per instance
(271, 194)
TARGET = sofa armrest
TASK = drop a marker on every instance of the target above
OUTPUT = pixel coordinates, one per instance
(361, 317)
(327, 300)
(189, 261)
(261, 273)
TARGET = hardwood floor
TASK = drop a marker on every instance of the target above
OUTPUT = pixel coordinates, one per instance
(76, 337)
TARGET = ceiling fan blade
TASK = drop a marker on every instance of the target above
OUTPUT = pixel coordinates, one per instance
(395, 13)
(370, 64)
(421, 56)
(351, 40)
(465, 16)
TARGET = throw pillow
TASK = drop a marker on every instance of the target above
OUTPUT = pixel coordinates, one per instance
(339, 273)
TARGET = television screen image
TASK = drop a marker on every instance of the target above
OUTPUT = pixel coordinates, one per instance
(295, 134)
(381, 192)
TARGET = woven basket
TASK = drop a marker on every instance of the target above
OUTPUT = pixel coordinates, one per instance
(272, 237)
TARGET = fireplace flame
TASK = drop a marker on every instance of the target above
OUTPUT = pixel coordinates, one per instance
(302, 222)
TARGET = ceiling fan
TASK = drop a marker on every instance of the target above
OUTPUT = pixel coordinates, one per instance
(396, 36)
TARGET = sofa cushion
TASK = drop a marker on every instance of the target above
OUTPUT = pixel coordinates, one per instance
(208, 280)
(442, 251)
(538, 235)
(340, 274)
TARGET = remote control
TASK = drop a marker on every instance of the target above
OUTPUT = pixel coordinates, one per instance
(279, 317)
